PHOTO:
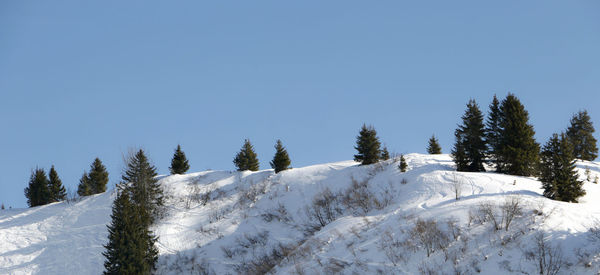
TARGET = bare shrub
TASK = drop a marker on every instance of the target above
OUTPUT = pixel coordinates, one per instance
(251, 241)
(216, 213)
(392, 247)
(510, 209)
(403, 181)
(72, 196)
(548, 258)
(279, 213)
(265, 262)
(429, 236)
(250, 193)
(454, 228)
(325, 208)
(457, 186)
(359, 198)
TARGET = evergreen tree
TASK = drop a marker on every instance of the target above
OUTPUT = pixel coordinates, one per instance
(469, 150)
(385, 154)
(580, 135)
(179, 163)
(434, 147)
(246, 159)
(403, 164)
(55, 187)
(37, 192)
(557, 170)
(281, 160)
(493, 132)
(98, 177)
(143, 188)
(85, 187)
(518, 152)
(130, 248)
(367, 145)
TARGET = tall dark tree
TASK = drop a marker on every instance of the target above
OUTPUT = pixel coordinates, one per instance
(130, 248)
(518, 152)
(55, 187)
(434, 147)
(179, 163)
(37, 192)
(367, 145)
(143, 187)
(581, 136)
(98, 177)
(385, 154)
(470, 148)
(493, 133)
(85, 187)
(403, 165)
(281, 160)
(557, 170)
(246, 159)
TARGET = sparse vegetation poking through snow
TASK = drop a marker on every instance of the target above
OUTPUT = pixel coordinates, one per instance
(457, 186)
(393, 247)
(368, 146)
(358, 198)
(509, 210)
(428, 235)
(547, 257)
(325, 208)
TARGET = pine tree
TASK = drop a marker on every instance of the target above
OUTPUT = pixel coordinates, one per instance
(518, 152)
(493, 133)
(434, 147)
(37, 192)
(246, 159)
(367, 145)
(143, 188)
(281, 160)
(581, 136)
(84, 188)
(469, 150)
(557, 170)
(55, 187)
(130, 248)
(403, 164)
(98, 177)
(179, 163)
(385, 154)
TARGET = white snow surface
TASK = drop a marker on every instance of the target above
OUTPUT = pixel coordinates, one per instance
(224, 233)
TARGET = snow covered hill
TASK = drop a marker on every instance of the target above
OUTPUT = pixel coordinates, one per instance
(329, 218)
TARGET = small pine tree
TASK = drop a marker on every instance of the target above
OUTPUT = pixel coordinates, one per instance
(403, 164)
(246, 159)
(98, 177)
(130, 248)
(434, 147)
(385, 154)
(518, 152)
(84, 188)
(37, 192)
(2, 207)
(143, 187)
(580, 134)
(179, 163)
(469, 150)
(367, 145)
(557, 170)
(57, 190)
(281, 160)
(493, 133)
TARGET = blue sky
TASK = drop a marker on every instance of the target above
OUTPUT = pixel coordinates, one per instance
(86, 79)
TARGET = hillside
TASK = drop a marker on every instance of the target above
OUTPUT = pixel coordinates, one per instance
(329, 218)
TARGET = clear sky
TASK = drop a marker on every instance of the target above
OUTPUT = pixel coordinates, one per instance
(86, 79)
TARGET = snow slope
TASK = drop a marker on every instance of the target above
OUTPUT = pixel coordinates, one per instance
(226, 222)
